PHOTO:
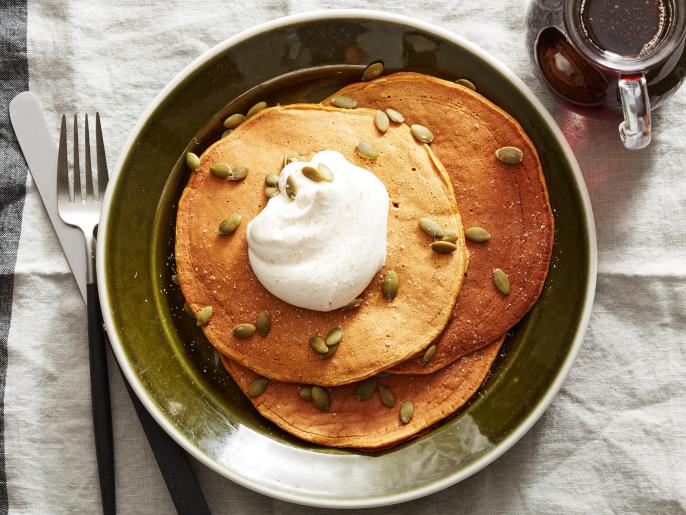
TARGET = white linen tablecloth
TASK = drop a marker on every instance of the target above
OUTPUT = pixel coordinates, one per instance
(614, 440)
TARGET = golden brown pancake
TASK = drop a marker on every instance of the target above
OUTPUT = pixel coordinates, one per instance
(370, 424)
(214, 270)
(509, 201)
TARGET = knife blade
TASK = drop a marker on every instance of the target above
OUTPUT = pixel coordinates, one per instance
(38, 147)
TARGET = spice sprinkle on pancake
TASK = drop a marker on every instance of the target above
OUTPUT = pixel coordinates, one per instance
(502, 197)
(222, 291)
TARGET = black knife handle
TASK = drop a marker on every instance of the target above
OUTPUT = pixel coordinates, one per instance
(100, 401)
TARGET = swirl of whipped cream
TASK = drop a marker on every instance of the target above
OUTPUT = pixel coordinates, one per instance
(321, 250)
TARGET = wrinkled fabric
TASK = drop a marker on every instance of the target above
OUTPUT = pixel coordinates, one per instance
(614, 440)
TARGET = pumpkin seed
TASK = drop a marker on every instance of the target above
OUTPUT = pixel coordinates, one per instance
(192, 161)
(406, 411)
(373, 71)
(258, 386)
(390, 285)
(334, 337)
(175, 279)
(501, 281)
(429, 354)
(229, 224)
(421, 133)
(244, 331)
(366, 150)
(226, 133)
(238, 173)
(203, 316)
(291, 187)
(234, 121)
(381, 121)
(449, 235)
(321, 398)
(477, 234)
(271, 191)
(319, 174)
(466, 83)
(509, 155)
(271, 180)
(332, 350)
(256, 109)
(318, 345)
(326, 172)
(263, 323)
(431, 227)
(386, 396)
(395, 116)
(305, 393)
(365, 389)
(221, 170)
(292, 158)
(344, 102)
(187, 309)
(353, 304)
(383, 373)
(443, 247)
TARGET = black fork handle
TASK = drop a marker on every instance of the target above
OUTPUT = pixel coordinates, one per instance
(100, 401)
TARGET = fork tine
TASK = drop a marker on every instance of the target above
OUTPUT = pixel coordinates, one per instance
(90, 185)
(77, 167)
(101, 158)
(62, 163)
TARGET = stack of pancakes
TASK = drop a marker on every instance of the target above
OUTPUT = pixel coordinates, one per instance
(432, 345)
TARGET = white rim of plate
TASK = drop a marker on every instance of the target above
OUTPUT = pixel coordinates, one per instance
(498, 449)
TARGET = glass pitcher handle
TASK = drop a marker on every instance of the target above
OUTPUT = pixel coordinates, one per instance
(635, 130)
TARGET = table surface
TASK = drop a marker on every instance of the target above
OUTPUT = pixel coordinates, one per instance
(614, 440)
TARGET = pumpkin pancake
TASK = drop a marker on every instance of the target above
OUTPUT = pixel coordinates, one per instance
(370, 424)
(509, 201)
(214, 270)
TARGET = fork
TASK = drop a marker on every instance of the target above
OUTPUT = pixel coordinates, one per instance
(80, 207)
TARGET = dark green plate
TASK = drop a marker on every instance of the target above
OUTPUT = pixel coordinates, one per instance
(175, 371)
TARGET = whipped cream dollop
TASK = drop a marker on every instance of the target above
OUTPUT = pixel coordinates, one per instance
(320, 250)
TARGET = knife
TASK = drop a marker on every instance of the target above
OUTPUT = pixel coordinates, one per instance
(31, 129)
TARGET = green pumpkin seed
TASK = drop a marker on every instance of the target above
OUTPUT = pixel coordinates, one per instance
(271, 191)
(383, 373)
(406, 411)
(203, 316)
(226, 133)
(381, 121)
(386, 396)
(466, 83)
(443, 247)
(395, 116)
(334, 337)
(373, 71)
(234, 121)
(175, 279)
(238, 173)
(332, 350)
(344, 102)
(291, 187)
(319, 174)
(229, 224)
(449, 235)
(318, 345)
(477, 234)
(501, 281)
(305, 393)
(390, 285)
(421, 133)
(263, 323)
(187, 309)
(431, 227)
(192, 161)
(353, 304)
(510, 155)
(365, 389)
(271, 180)
(292, 158)
(258, 386)
(221, 170)
(429, 354)
(321, 398)
(256, 109)
(366, 150)
(244, 331)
